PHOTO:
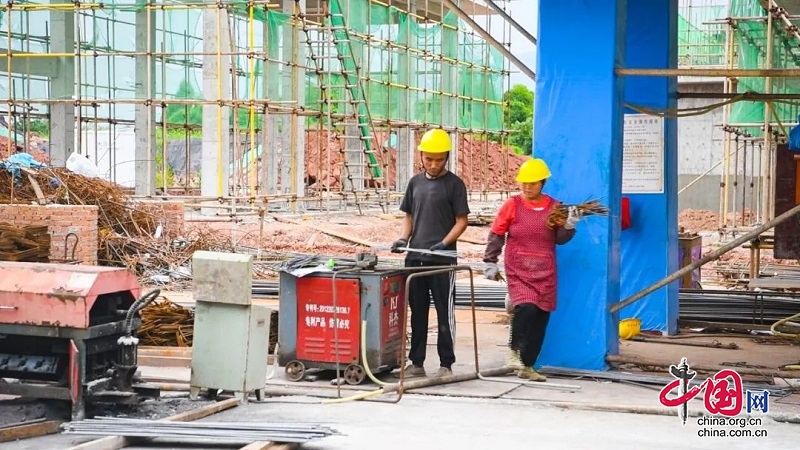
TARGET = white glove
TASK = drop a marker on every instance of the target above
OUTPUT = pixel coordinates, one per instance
(509, 306)
(491, 271)
(573, 218)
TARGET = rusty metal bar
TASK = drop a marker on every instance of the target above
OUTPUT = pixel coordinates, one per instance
(740, 73)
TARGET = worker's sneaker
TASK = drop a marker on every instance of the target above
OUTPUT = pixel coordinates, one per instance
(530, 374)
(412, 371)
(514, 360)
(443, 372)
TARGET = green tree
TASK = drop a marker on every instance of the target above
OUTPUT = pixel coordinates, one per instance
(518, 118)
(522, 137)
(520, 104)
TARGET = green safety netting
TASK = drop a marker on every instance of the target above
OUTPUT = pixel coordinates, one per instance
(702, 44)
(407, 85)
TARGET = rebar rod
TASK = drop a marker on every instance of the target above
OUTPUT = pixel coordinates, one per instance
(706, 259)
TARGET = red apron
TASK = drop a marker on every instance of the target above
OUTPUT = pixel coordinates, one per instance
(530, 259)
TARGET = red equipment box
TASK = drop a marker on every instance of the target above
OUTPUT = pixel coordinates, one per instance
(315, 330)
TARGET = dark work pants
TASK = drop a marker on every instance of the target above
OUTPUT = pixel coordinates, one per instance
(441, 288)
(528, 328)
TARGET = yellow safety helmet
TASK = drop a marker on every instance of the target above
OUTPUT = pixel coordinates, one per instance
(435, 141)
(533, 170)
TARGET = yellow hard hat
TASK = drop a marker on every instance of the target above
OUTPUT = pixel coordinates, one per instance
(533, 170)
(435, 141)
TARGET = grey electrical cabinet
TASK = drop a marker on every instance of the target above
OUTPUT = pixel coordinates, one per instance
(230, 345)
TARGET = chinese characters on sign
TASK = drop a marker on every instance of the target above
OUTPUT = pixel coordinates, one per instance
(394, 314)
(318, 321)
(643, 155)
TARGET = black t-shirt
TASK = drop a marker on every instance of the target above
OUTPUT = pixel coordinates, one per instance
(433, 205)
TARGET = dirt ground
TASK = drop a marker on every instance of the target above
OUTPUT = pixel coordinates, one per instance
(380, 230)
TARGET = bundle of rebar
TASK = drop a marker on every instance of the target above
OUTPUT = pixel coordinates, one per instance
(590, 208)
(24, 244)
(763, 308)
(219, 431)
(166, 324)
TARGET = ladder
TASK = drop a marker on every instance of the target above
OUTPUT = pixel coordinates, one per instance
(352, 122)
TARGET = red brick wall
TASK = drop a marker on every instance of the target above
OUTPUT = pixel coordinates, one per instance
(60, 220)
(171, 212)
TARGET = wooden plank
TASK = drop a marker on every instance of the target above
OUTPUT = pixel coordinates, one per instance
(40, 198)
(151, 350)
(471, 241)
(164, 361)
(786, 284)
(29, 430)
(118, 442)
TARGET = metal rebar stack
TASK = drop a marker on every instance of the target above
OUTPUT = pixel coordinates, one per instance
(737, 306)
(217, 431)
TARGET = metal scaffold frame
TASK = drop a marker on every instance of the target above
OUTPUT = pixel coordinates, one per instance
(751, 48)
(125, 83)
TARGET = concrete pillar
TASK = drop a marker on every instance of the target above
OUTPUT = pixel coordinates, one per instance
(62, 87)
(650, 246)
(406, 74)
(215, 167)
(294, 89)
(406, 157)
(578, 131)
(449, 86)
(144, 118)
(269, 146)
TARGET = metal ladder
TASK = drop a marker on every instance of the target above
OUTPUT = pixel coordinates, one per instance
(355, 118)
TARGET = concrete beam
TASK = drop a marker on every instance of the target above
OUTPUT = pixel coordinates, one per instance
(35, 65)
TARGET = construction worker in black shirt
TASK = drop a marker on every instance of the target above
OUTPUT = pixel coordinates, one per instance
(436, 208)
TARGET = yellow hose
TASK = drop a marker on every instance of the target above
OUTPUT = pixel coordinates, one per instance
(361, 396)
(371, 376)
(364, 355)
(781, 322)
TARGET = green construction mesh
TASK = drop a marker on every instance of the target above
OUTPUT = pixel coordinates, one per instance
(703, 44)
(406, 77)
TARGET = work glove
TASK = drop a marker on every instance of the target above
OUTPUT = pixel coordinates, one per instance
(509, 305)
(491, 271)
(395, 248)
(438, 247)
(573, 218)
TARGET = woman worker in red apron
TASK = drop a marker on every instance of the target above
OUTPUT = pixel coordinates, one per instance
(530, 260)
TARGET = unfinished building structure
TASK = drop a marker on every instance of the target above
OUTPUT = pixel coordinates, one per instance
(312, 102)
(731, 36)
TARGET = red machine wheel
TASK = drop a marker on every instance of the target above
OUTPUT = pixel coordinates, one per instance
(295, 371)
(354, 374)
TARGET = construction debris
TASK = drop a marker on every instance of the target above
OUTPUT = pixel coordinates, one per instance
(218, 431)
(24, 244)
(166, 324)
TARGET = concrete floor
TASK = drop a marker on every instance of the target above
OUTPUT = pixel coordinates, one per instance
(427, 422)
(488, 415)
